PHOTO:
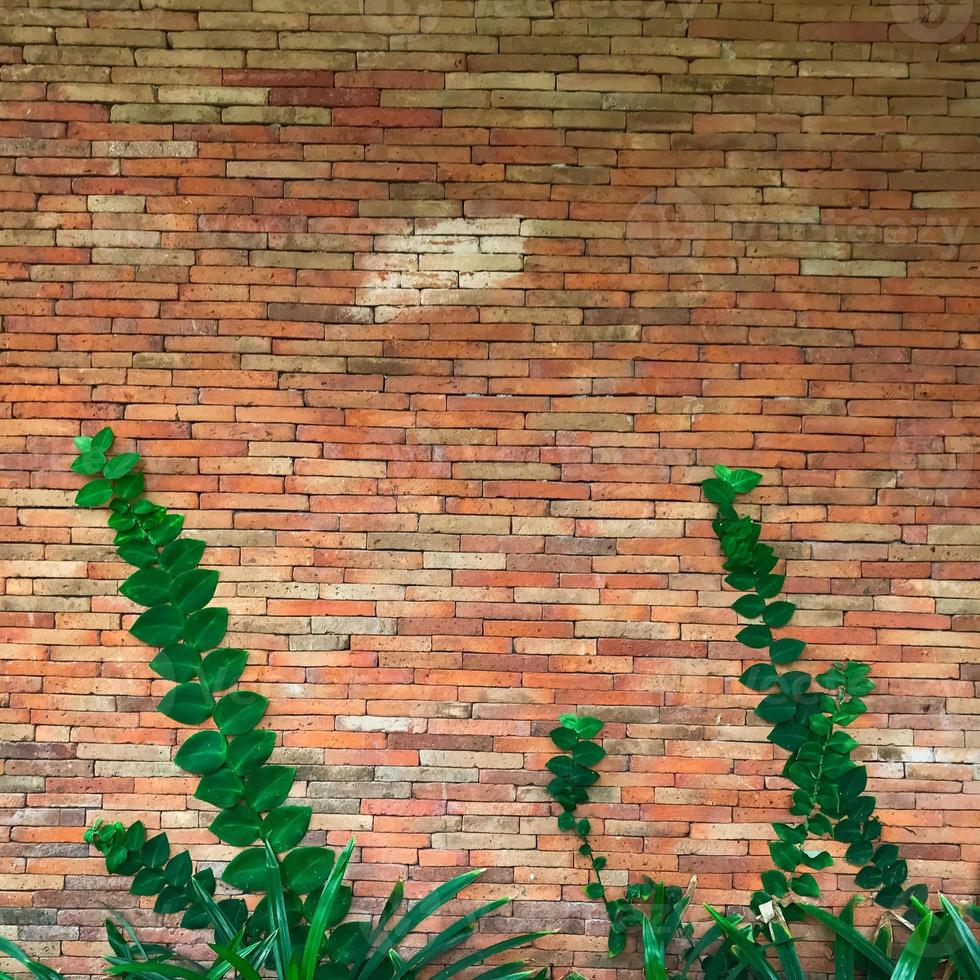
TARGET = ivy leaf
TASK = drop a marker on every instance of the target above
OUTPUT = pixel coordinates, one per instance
(148, 881)
(759, 677)
(269, 787)
(166, 530)
(147, 587)
(247, 752)
(774, 883)
(178, 870)
(749, 606)
(852, 784)
(140, 553)
(187, 703)
(95, 493)
(83, 443)
(202, 753)
(789, 735)
(223, 667)
(742, 481)
(868, 877)
(755, 637)
(206, 628)
(587, 753)
(120, 465)
(785, 856)
(305, 869)
(806, 885)
(564, 738)
(593, 889)
(89, 463)
(130, 486)
(718, 491)
(817, 860)
(770, 585)
(183, 555)
(102, 440)
(786, 650)
(778, 613)
(239, 712)
(221, 788)
(238, 826)
(858, 853)
(247, 871)
(194, 589)
(775, 708)
(286, 826)
(158, 626)
(176, 662)
(155, 851)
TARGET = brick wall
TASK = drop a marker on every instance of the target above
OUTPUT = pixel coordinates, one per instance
(431, 314)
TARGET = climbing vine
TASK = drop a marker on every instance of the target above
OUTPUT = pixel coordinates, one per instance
(809, 723)
(231, 758)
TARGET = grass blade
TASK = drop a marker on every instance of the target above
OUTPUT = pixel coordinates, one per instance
(224, 932)
(39, 970)
(868, 950)
(480, 955)
(789, 959)
(967, 951)
(843, 950)
(321, 914)
(277, 912)
(914, 950)
(748, 951)
(653, 953)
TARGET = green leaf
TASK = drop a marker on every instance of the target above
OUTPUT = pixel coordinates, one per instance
(148, 881)
(583, 725)
(140, 553)
(178, 870)
(238, 826)
(915, 950)
(247, 752)
(850, 935)
(95, 493)
(759, 677)
(158, 626)
(775, 883)
(239, 712)
(155, 851)
(223, 667)
(852, 784)
(789, 735)
(967, 950)
(742, 481)
(785, 856)
(778, 613)
(176, 662)
(750, 606)
(775, 708)
(718, 491)
(868, 877)
(221, 788)
(806, 885)
(194, 589)
(587, 754)
(130, 486)
(102, 440)
(286, 826)
(171, 899)
(246, 871)
(755, 637)
(147, 587)
(89, 463)
(564, 738)
(166, 530)
(187, 703)
(205, 628)
(770, 585)
(83, 443)
(183, 555)
(786, 650)
(269, 787)
(817, 860)
(202, 753)
(566, 820)
(120, 465)
(305, 869)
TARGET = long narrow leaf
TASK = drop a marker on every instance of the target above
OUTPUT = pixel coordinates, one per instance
(843, 950)
(395, 898)
(277, 913)
(321, 914)
(39, 970)
(711, 935)
(653, 953)
(224, 932)
(414, 917)
(450, 937)
(481, 955)
(869, 951)
(789, 959)
(966, 952)
(749, 951)
(914, 950)
(245, 969)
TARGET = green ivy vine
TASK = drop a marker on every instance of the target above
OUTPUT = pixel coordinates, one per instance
(231, 758)
(829, 795)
